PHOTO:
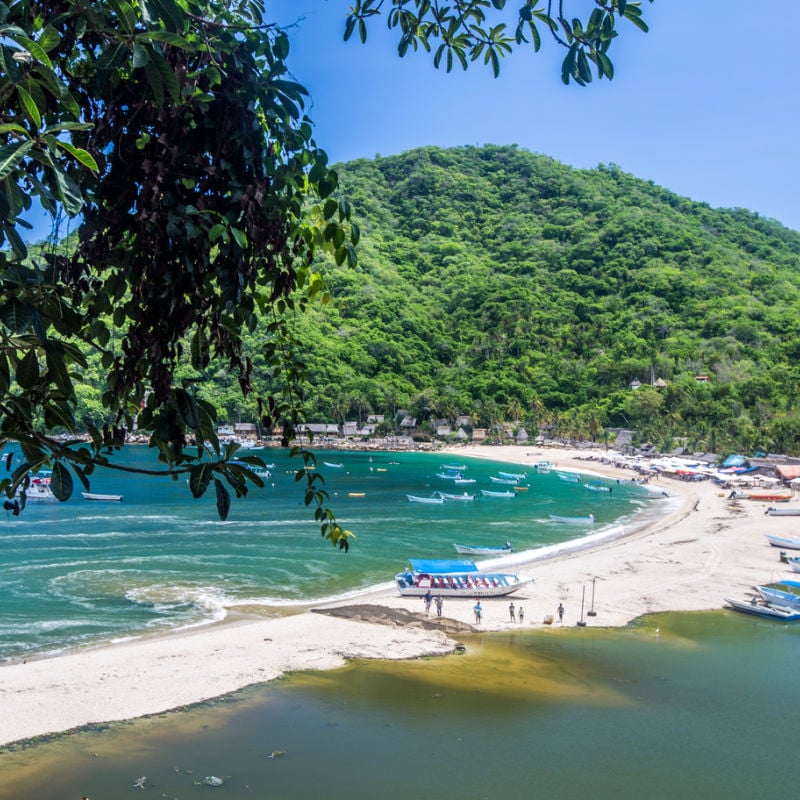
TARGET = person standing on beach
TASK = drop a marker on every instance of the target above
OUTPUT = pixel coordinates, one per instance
(511, 612)
(478, 611)
(521, 614)
(428, 600)
(560, 612)
(439, 601)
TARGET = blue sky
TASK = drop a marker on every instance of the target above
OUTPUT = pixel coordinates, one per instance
(705, 104)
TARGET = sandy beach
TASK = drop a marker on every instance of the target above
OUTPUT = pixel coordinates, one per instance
(703, 548)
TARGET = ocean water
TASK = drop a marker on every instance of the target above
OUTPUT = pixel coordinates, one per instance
(85, 572)
(674, 706)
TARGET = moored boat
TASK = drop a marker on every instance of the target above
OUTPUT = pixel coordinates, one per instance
(464, 481)
(455, 579)
(596, 486)
(450, 476)
(569, 477)
(39, 490)
(506, 481)
(450, 496)
(483, 550)
(587, 520)
(454, 467)
(490, 493)
(433, 500)
(333, 464)
(788, 542)
(516, 476)
(111, 498)
(763, 610)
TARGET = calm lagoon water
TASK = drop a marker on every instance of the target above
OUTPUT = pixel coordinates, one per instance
(675, 706)
(85, 572)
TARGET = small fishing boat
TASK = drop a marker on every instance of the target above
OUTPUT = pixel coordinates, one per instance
(587, 520)
(506, 481)
(779, 597)
(787, 542)
(761, 497)
(544, 466)
(794, 563)
(516, 476)
(333, 464)
(356, 494)
(763, 610)
(39, 490)
(432, 500)
(449, 496)
(464, 481)
(520, 488)
(596, 486)
(490, 493)
(111, 498)
(483, 550)
(569, 477)
(454, 467)
(786, 511)
(450, 476)
(455, 579)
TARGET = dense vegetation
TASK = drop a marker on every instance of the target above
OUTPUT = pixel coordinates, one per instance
(503, 285)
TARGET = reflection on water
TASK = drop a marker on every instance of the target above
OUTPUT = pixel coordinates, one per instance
(702, 706)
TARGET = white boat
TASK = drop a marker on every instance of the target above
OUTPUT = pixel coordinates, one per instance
(434, 501)
(794, 563)
(544, 466)
(333, 464)
(763, 610)
(102, 497)
(448, 496)
(779, 597)
(464, 481)
(516, 476)
(455, 579)
(483, 550)
(596, 486)
(506, 481)
(786, 511)
(454, 467)
(569, 477)
(787, 542)
(39, 490)
(490, 493)
(450, 476)
(588, 520)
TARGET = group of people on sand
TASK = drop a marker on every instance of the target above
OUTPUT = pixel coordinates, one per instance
(516, 614)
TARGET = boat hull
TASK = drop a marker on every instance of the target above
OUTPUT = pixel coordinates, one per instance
(789, 543)
(497, 585)
(770, 612)
(573, 520)
(469, 550)
(102, 497)
(788, 511)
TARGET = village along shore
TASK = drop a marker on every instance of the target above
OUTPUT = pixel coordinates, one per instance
(696, 546)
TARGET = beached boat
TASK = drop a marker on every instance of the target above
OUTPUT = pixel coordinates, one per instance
(490, 493)
(779, 597)
(763, 610)
(505, 481)
(483, 550)
(111, 498)
(786, 542)
(794, 563)
(761, 497)
(455, 579)
(786, 511)
(544, 466)
(450, 496)
(587, 520)
(596, 486)
(516, 476)
(432, 500)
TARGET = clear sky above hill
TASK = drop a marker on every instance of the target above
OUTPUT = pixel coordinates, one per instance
(705, 104)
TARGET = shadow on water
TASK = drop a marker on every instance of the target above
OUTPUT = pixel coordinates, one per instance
(690, 705)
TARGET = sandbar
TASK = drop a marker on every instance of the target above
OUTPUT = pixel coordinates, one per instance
(702, 548)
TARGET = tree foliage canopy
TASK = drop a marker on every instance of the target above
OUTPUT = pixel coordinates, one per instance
(174, 132)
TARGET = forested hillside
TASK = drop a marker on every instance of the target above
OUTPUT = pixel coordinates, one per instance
(504, 285)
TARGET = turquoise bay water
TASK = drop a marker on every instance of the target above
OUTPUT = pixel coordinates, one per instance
(85, 572)
(676, 706)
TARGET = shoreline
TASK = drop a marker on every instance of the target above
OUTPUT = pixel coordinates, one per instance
(705, 547)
